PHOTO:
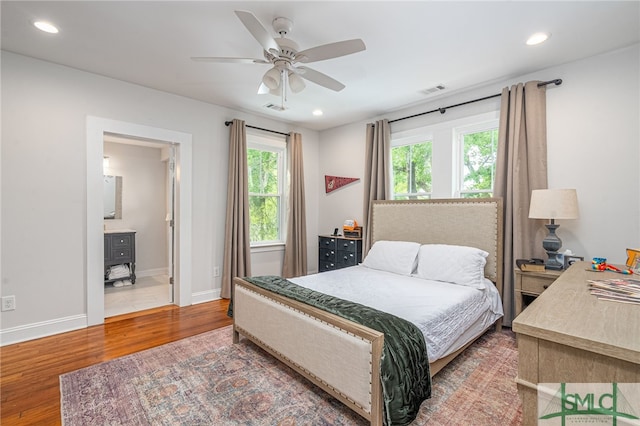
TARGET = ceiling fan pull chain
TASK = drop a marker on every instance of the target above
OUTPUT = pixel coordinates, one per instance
(283, 86)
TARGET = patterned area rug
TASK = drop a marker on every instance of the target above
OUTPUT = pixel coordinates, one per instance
(206, 380)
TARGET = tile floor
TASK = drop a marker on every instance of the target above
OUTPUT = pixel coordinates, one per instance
(146, 293)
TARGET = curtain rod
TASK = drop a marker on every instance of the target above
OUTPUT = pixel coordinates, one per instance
(442, 110)
(228, 123)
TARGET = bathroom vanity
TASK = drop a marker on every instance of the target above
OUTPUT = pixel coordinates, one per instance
(120, 249)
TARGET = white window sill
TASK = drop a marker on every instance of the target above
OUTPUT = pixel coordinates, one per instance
(263, 248)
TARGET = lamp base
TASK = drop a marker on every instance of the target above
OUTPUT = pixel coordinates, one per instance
(551, 244)
(553, 262)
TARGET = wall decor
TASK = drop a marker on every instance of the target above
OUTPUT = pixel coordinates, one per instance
(331, 183)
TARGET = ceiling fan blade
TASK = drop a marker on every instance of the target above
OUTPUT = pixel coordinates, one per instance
(228, 60)
(258, 31)
(319, 78)
(331, 50)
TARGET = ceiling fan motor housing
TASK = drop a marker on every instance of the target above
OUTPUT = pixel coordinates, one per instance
(288, 48)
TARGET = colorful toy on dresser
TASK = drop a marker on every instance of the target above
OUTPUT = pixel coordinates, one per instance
(600, 264)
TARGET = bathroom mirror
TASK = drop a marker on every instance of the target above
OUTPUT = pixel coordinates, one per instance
(112, 197)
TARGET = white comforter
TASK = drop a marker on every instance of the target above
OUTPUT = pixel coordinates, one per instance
(448, 315)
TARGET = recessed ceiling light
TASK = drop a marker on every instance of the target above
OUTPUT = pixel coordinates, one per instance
(46, 27)
(317, 112)
(538, 38)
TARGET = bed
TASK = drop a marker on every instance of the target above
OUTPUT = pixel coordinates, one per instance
(344, 357)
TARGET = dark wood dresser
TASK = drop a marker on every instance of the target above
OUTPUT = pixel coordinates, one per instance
(120, 249)
(338, 252)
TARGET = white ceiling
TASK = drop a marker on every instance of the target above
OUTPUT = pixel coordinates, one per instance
(411, 46)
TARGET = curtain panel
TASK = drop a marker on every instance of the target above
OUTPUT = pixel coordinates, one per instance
(295, 249)
(521, 167)
(377, 182)
(237, 244)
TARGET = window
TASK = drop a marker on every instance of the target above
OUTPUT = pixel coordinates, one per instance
(478, 152)
(447, 159)
(411, 174)
(266, 175)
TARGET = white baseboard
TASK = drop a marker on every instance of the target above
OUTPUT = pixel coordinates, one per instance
(37, 330)
(205, 296)
(152, 272)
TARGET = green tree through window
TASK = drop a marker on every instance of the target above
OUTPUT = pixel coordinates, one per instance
(264, 194)
(478, 163)
(411, 171)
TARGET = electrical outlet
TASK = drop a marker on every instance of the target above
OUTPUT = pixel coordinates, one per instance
(216, 271)
(8, 303)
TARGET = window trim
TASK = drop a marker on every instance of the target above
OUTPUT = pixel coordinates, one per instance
(458, 134)
(278, 145)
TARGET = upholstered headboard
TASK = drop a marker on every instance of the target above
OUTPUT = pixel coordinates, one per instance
(464, 222)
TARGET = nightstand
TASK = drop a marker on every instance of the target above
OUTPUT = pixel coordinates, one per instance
(530, 285)
(337, 252)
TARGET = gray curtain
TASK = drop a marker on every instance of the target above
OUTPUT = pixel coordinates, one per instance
(237, 244)
(377, 183)
(295, 249)
(520, 168)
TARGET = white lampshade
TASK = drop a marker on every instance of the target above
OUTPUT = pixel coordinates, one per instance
(295, 82)
(553, 204)
(271, 79)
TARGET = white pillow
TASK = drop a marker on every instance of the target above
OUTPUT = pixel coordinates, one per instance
(455, 264)
(398, 257)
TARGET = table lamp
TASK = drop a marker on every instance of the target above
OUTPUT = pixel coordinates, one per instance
(553, 204)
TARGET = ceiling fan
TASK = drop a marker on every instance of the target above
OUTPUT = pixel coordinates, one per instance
(283, 54)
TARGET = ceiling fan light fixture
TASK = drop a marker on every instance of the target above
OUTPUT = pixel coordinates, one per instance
(271, 79)
(296, 84)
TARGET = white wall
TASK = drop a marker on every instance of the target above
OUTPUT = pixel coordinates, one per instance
(144, 196)
(593, 136)
(44, 114)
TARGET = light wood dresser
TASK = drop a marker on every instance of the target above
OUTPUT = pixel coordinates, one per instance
(567, 335)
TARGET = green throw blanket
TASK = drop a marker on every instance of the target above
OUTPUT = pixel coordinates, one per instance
(404, 369)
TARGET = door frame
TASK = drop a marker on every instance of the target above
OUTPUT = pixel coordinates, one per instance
(96, 128)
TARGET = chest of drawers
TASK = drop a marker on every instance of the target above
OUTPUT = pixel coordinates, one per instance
(338, 252)
(120, 249)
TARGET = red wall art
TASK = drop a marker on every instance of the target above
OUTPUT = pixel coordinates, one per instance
(331, 183)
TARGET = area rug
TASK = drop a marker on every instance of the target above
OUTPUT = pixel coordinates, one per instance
(207, 380)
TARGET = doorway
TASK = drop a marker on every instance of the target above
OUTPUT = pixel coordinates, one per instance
(144, 217)
(97, 128)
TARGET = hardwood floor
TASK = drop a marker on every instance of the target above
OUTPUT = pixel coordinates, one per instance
(29, 384)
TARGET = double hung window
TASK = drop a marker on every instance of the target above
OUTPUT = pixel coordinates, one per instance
(266, 162)
(478, 152)
(411, 162)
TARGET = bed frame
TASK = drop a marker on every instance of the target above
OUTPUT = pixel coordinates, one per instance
(343, 357)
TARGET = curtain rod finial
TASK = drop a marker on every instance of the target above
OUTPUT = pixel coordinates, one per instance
(228, 123)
